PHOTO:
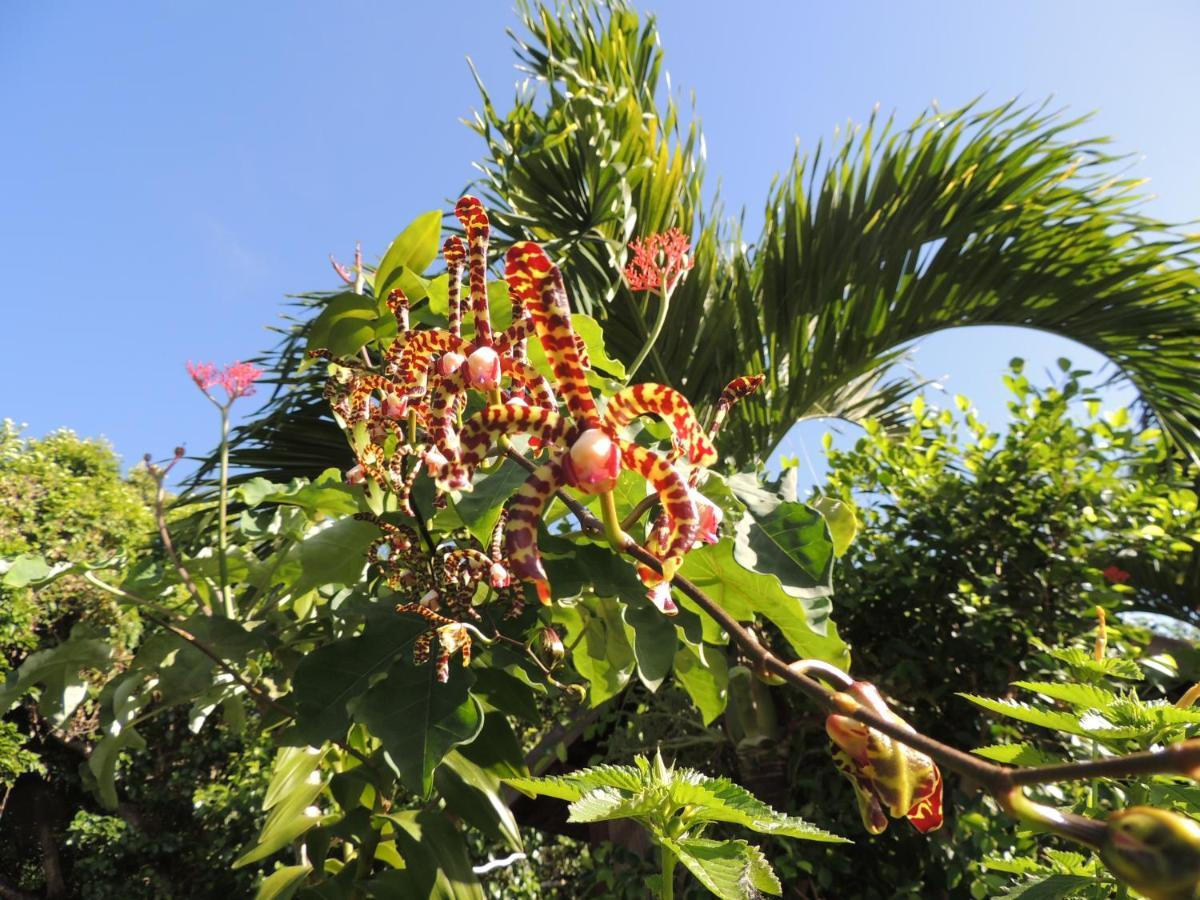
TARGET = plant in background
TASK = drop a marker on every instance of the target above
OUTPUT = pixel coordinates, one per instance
(676, 806)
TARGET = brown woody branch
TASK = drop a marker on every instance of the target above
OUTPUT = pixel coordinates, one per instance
(1182, 758)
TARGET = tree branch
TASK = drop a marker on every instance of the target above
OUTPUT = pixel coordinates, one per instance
(1182, 758)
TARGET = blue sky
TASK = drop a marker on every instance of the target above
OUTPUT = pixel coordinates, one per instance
(171, 170)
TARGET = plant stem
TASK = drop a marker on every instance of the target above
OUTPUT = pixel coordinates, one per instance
(223, 516)
(663, 304)
(612, 522)
(668, 860)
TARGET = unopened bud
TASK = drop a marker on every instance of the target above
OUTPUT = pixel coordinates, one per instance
(483, 369)
(450, 363)
(1153, 851)
(551, 647)
(593, 462)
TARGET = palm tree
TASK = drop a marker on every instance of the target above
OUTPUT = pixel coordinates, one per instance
(970, 217)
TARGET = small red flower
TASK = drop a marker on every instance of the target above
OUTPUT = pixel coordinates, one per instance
(236, 378)
(657, 258)
(1116, 575)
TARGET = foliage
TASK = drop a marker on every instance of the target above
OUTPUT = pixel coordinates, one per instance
(1007, 215)
(675, 806)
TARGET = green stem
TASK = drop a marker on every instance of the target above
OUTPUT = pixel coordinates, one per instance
(664, 304)
(612, 523)
(223, 516)
(668, 860)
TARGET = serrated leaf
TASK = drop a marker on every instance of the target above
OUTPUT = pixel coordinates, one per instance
(1087, 696)
(418, 719)
(607, 803)
(733, 870)
(1051, 887)
(1018, 755)
(1022, 712)
(572, 787)
(720, 800)
(1020, 865)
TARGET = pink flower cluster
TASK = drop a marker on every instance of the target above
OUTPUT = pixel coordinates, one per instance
(657, 258)
(236, 378)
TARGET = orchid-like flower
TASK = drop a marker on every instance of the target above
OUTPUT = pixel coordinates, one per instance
(587, 451)
(887, 776)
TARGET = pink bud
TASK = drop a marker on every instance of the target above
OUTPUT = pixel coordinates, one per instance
(435, 462)
(593, 462)
(450, 363)
(395, 406)
(660, 596)
(357, 475)
(711, 516)
(499, 576)
(483, 369)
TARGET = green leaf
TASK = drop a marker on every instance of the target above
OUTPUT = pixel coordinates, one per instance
(654, 642)
(436, 864)
(119, 734)
(24, 570)
(473, 793)
(418, 719)
(572, 787)
(1018, 755)
(282, 883)
(480, 508)
(414, 249)
(604, 657)
(720, 800)
(704, 674)
(593, 338)
(733, 870)
(743, 593)
(57, 670)
(290, 795)
(1022, 712)
(1082, 695)
(346, 324)
(606, 803)
(331, 676)
(1051, 887)
(783, 538)
(842, 522)
(333, 555)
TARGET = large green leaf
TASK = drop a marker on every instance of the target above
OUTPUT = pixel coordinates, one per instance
(327, 679)
(59, 671)
(743, 593)
(480, 508)
(409, 254)
(291, 796)
(436, 864)
(473, 793)
(654, 642)
(283, 883)
(347, 323)
(733, 870)
(783, 538)
(418, 719)
(704, 674)
(332, 555)
(720, 800)
(604, 657)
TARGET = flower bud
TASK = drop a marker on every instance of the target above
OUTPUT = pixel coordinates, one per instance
(1153, 851)
(450, 363)
(551, 647)
(483, 369)
(593, 462)
(499, 576)
(395, 406)
(357, 475)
